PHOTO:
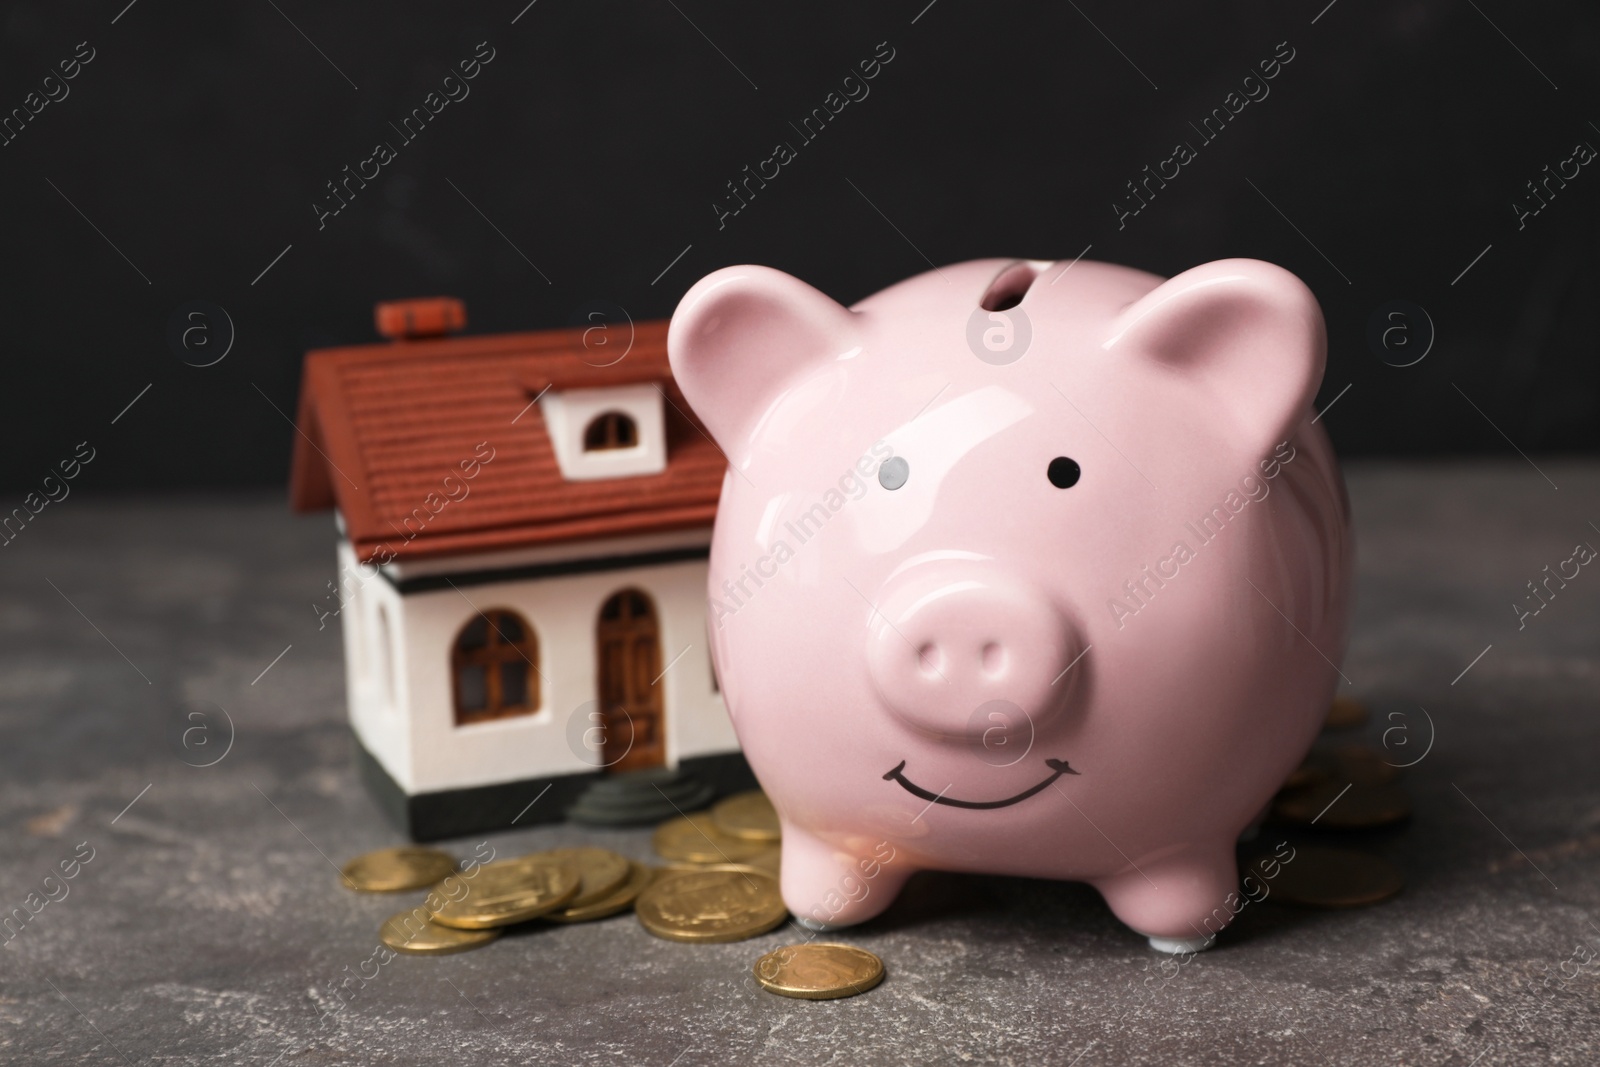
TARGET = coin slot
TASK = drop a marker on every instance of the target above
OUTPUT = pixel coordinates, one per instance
(1008, 287)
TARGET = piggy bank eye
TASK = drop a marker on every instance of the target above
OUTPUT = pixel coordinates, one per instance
(1064, 472)
(893, 472)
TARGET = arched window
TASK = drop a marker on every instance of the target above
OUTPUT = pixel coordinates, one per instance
(608, 430)
(494, 668)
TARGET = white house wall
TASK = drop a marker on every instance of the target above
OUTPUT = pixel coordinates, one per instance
(563, 612)
(376, 696)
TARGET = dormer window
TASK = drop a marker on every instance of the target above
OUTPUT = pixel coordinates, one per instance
(611, 429)
(615, 432)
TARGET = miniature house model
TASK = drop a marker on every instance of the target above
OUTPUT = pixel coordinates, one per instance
(524, 527)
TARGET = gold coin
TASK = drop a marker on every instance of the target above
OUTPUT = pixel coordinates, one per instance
(601, 869)
(389, 870)
(1330, 878)
(507, 892)
(621, 898)
(768, 860)
(1364, 765)
(1361, 805)
(1345, 714)
(1361, 764)
(765, 862)
(1304, 775)
(819, 971)
(711, 905)
(747, 815)
(696, 839)
(738, 868)
(412, 932)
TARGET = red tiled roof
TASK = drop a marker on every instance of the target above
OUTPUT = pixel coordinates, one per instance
(382, 425)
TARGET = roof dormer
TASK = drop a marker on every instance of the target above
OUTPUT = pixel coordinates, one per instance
(614, 432)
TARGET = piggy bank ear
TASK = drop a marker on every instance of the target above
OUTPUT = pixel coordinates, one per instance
(739, 335)
(1246, 332)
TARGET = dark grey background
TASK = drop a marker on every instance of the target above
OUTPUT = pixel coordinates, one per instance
(599, 137)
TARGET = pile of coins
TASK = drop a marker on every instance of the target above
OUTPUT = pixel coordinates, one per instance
(1338, 788)
(468, 909)
(720, 884)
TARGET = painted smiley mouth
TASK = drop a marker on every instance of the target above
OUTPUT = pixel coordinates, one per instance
(1058, 766)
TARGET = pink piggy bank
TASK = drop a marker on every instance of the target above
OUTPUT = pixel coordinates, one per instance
(1026, 568)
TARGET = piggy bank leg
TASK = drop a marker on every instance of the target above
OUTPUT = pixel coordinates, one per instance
(827, 887)
(1178, 903)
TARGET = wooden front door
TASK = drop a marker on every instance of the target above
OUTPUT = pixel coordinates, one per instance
(629, 651)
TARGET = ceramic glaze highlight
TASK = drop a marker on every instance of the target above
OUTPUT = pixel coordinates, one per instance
(1005, 568)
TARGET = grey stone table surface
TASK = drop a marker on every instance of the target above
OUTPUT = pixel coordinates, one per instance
(209, 925)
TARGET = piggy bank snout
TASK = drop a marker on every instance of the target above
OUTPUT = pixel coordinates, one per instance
(941, 648)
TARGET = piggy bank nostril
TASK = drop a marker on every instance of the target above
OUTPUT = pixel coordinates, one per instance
(929, 659)
(994, 659)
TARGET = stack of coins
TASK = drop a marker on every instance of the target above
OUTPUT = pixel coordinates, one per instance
(619, 898)
(465, 910)
(1338, 788)
(711, 904)
(741, 829)
(721, 882)
(508, 892)
(720, 885)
